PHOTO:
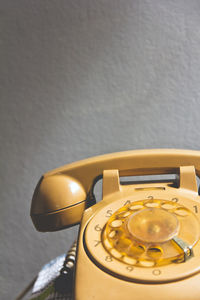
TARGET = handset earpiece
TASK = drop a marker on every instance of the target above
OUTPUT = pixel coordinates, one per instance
(58, 202)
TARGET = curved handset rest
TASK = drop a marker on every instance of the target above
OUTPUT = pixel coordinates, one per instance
(60, 196)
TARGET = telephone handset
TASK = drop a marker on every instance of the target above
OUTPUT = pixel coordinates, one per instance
(143, 239)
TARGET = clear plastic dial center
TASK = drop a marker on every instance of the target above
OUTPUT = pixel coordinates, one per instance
(153, 225)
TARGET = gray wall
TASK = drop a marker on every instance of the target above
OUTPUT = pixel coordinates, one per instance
(82, 78)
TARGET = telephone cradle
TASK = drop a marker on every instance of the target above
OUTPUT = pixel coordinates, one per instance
(142, 240)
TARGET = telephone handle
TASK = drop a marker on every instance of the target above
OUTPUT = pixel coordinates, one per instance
(61, 194)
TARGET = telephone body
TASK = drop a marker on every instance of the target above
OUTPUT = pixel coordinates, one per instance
(142, 240)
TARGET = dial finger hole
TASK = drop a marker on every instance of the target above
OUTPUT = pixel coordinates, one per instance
(181, 212)
(147, 263)
(107, 244)
(136, 207)
(154, 252)
(115, 253)
(136, 250)
(116, 223)
(112, 234)
(167, 206)
(129, 260)
(125, 214)
(123, 244)
(152, 204)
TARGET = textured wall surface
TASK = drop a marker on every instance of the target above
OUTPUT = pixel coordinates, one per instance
(82, 78)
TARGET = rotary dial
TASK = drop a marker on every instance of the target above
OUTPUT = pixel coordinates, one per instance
(151, 233)
(147, 240)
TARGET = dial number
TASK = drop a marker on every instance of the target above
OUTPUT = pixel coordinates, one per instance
(109, 213)
(174, 199)
(108, 258)
(97, 243)
(195, 209)
(156, 272)
(127, 202)
(129, 268)
(97, 228)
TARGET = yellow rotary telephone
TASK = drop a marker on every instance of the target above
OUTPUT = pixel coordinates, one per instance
(142, 241)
